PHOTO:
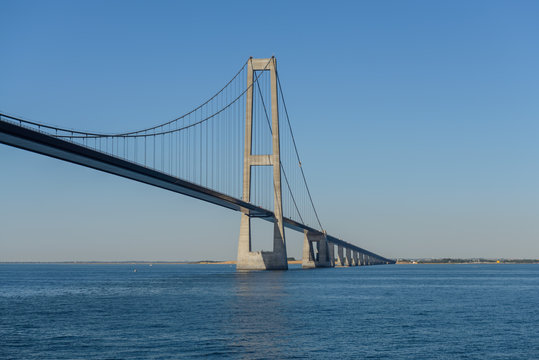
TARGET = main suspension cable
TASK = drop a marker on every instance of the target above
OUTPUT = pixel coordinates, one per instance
(297, 153)
(87, 134)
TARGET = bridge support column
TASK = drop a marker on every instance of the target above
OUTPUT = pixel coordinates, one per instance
(356, 258)
(308, 261)
(340, 255)
(348, 257)
(331, 254)
(322, 258)
(262, 260)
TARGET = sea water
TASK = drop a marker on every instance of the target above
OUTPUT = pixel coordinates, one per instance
(211, 311)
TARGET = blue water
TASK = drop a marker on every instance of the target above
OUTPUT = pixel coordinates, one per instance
(210, 311)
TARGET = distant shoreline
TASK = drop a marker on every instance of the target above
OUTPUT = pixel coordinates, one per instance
(466, 261)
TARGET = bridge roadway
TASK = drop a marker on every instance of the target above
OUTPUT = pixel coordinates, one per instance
(39, 142)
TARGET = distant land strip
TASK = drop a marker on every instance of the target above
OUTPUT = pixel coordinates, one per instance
(467, 261)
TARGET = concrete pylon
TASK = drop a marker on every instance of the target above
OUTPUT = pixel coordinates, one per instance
(340, 255)
(322, 256)
(262, 260)
(348, 258)
(356, 258)
(308, 260)
(331, 253)
(324, 259)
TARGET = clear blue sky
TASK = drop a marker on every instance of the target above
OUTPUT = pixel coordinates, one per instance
(417, 121)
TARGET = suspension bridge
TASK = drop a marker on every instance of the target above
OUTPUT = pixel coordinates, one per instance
(232, 151)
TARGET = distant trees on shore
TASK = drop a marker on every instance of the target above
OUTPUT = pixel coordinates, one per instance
(467, 261)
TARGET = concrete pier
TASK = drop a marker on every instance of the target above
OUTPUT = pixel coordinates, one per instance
(308, 261)
(348, 258)
(315, 251)
(323, 252)
(331, 253)
(340, 256)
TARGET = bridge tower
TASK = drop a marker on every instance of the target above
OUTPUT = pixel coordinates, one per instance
(262, 260)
